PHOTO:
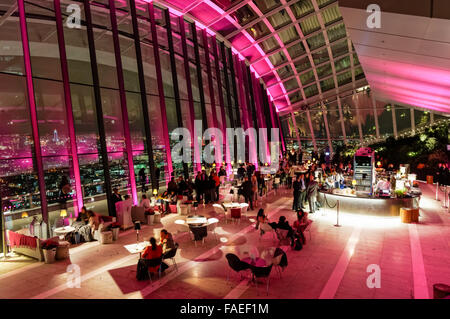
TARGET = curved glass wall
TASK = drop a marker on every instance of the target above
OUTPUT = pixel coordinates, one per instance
(118, 112)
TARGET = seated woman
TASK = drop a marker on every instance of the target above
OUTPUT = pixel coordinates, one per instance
(83, 215)
(260, 218)
(145, 202)
(166, 239)
(301, 223)
(93, 221)
(154, 251)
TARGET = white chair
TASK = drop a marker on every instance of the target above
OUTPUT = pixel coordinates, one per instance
(211, 226)
(181, 226)
(244, 208)
(265, 228)
(282, 234)
(220, 210)
(308, 229)
(182, 209)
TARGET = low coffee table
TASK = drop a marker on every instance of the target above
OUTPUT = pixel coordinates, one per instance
(62, 232)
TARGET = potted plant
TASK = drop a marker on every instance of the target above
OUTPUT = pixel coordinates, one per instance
(150, 215)
(49, 250)
(115, 227)
(400, 193)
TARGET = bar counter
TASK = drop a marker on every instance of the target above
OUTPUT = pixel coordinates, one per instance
(388, 206)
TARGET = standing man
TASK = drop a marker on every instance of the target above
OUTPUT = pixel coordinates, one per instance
(296, 185)
(116, 197)
(311, 193)
(302, 196)
(247, 191)
(143, 179)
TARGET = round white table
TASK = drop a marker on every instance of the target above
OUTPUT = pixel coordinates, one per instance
(63, 231)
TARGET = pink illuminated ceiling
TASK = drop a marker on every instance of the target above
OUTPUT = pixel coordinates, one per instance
(407, 60)
(293, 46)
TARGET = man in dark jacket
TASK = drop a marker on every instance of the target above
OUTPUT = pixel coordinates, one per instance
(311, 194)
(247, 191)
(172, 186)
(296, 185)
(198, 186)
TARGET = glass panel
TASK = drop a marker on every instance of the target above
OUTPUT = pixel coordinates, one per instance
(318, 124)
(359, 74)
(302, 8)
(327, 84)
(112, 118)
(331, 14)
(339, 48)
(267, 5)
(307, 77)
(11, 52)
(342, 64)
(355, 59)
(403, 117)
(309, 25)
(269, 45)
(336, 32)
(421, 118)
(288, 35)
(384, 113)
(311, 91)
(279, 19)
(302, 125)
(296, 50)
(323, 3)
(258, 30)
(285, 71)
(334, 122)
(291, 84)
(277, 58)
(350, 118)
(43, 41)
(18, 181)
(104, 47)
(295, 97)
(324, 70)
(52, 117)
(320, 56)
(344, 78)
(303, 64)
(316, 41)
(244, 15)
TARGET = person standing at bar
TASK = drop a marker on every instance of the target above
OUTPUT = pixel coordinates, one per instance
(302, 196)
(296, 186)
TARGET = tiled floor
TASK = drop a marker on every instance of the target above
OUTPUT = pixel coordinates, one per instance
(333, 264)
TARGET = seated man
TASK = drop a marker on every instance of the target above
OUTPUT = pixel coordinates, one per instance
(284, 224)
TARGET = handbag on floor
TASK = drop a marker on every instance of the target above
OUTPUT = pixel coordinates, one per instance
(297, 244)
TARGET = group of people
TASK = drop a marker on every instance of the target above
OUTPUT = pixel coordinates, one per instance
(154, 251)
(295, 232)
